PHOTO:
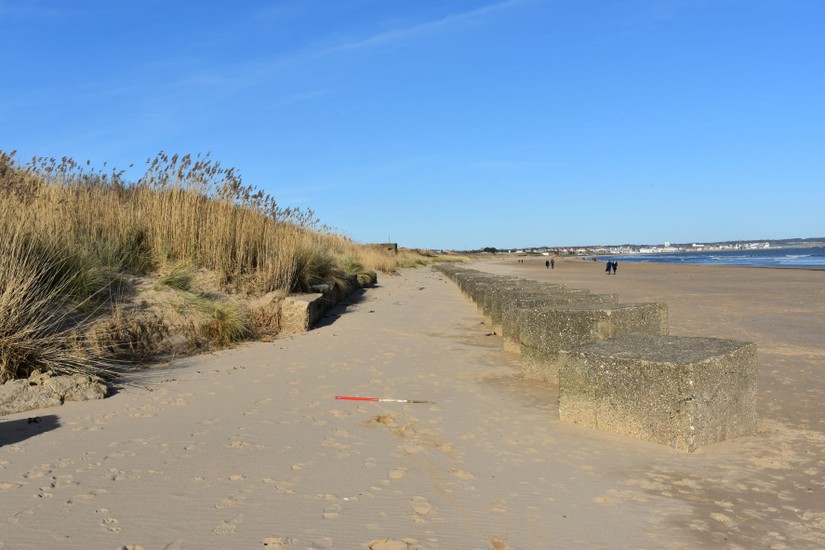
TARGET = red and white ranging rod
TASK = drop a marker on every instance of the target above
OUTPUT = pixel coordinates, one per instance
(354, 398)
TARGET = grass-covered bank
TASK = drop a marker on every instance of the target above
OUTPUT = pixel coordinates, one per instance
(97, 271)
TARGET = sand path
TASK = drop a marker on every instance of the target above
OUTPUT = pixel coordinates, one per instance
(249, 449)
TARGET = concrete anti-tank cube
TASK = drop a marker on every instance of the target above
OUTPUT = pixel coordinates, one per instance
(517, 307)
(490, 295)
(545, 331)
(494, 299)
(472, 285)
(684, 392)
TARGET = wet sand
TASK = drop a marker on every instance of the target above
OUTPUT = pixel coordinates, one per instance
(249, 448)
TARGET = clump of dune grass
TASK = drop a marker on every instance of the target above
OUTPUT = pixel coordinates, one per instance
(227, 323)
(36, 316)
(127, 335)
(180, 277)
(214, 322)
(315, 266)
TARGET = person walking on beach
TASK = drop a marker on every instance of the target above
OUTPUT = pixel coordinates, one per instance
(609, 267)
(547, 264)
(615, 266)
(552, 263)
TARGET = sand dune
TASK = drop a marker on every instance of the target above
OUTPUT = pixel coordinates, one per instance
(249, 448)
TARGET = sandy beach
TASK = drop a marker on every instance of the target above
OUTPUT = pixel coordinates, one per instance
(249, 448)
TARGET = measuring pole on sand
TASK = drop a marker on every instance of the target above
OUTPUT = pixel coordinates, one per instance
(380, 399)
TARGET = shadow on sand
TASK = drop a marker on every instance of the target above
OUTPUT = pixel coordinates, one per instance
(341, 307)
(15, 431)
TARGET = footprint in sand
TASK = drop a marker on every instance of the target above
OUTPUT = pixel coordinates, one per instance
(461, 474)
(722, 518)
(392, 544)
(42, 470)
(226, 503)
(331, 511)
(111, 525)
(398, 473)
(412, 449)
(58, 482)
(232, 501)
(277, 542)
(245, 445)
(285, 487)
(421, 506)
(116, 474)
(85, 497)
(228, 527)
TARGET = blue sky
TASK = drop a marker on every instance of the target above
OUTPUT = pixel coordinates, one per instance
(448, 124)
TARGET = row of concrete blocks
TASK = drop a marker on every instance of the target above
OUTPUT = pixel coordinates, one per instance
(616, 367)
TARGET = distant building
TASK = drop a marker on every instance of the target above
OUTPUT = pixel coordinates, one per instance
(389, 247)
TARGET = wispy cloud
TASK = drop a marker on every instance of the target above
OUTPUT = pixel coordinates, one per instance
(421, 29)
(216, 84)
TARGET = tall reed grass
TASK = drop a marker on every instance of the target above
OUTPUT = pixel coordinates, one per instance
(183, 209)
(69, 232)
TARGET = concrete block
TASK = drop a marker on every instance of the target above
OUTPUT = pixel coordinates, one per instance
(517, 307)
(545, 331)
(479, 287)
(684, 392)
(300, 311)
(493, 297)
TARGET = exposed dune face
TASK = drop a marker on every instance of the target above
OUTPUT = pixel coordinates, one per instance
(249, 448)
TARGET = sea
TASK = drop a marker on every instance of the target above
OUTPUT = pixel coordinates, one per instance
(810, 258)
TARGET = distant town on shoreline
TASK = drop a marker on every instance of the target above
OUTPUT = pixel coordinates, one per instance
(666, 247)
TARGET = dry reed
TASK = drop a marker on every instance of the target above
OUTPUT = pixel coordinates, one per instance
(69, 233)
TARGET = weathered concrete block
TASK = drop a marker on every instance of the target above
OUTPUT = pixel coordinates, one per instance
(493, 297)
(451, 270)
(545, 331)
(478, 287)
(300, 311)
(684, 392)
(515, 307)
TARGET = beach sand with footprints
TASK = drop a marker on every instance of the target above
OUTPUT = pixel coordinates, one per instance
(249, 448)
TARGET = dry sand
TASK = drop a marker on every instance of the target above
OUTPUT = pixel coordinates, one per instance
(250, 449)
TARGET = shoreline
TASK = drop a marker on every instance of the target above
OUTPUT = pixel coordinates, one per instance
(603, 259)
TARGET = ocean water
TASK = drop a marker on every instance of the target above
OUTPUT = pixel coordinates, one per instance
(771, 257)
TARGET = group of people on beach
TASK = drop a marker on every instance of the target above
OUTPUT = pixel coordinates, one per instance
(612, 265)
